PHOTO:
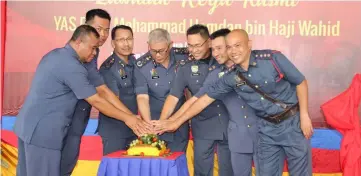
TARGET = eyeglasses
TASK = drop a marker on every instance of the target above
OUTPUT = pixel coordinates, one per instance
(196, 46)
(161, 52)
(124, 40)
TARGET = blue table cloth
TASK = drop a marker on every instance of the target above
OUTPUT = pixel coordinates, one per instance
(118, 164)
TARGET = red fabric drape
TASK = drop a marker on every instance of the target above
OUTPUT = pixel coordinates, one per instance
(341, 113)
(2, 60)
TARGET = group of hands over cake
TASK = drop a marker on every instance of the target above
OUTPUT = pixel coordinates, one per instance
(142, 127)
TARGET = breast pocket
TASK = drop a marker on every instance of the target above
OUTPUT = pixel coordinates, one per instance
(196, 82)
(125, 83)
(159, 87)
(268, 84)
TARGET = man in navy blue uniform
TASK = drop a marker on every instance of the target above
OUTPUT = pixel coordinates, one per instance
(117, 71)
(269, 83)
(59, 82)
(241, 138)
(209, 128)
(154, 74)
(100, 20)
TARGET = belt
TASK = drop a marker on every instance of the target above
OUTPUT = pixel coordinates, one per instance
(276, 119)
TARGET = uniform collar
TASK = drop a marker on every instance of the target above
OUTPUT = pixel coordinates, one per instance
(252, 62)
(121, 61)
(72, 51)
(206, 60)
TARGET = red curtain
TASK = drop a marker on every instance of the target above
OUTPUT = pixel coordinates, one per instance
(2, 60)
(342, 114)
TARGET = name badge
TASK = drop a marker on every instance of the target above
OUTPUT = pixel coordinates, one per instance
(195, 70)
(154, 73)
(124, 77)
(241, 83)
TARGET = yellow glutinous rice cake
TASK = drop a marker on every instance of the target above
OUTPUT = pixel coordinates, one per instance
(147, 145)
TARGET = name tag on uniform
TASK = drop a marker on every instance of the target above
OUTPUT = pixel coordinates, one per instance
(241, 83)
(124, 77)
(195, 70)
(154, 73)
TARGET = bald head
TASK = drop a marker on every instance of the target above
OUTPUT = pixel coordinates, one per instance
(238, 33)
(238, 46)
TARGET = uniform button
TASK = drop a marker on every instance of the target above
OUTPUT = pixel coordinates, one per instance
(256, 86)
(242, 107)
(265, 82)
(83, 109)
(197, 81)
(156, 84)
(249, 75)
(249, 126)
(67, 125)
(245, 117)
(219, 114)
(169, 82)
(242, 89)
(262, 98)
(125, 83)
(218, 106)
(167, 73)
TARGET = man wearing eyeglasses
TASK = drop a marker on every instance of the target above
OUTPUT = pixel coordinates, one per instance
(209, 128)
(153, 75)
(117, 71)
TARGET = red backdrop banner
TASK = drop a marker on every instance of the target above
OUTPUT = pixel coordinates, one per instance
(321, 38)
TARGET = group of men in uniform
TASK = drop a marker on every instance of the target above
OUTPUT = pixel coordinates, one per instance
(248, 105)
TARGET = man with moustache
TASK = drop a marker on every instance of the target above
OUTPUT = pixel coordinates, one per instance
(209, 128)
(154, 74)
(260, 77)
(45, 117)
(100, 20)
(117, 71)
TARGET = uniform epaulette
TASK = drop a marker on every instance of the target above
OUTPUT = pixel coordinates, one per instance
(265, 54)
(108, 63)
(212, 68)
(230, 69)
(268, 55)
(184, 61)
(181, 50)
(143, 60)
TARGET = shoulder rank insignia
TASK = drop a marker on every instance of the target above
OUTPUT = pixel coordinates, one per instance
(181, 50)
(265, 54)
(231, 68)
(143, 60)
(212, 68)
(108, 63)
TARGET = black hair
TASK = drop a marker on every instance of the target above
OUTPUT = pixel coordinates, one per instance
(91, 14)
(114, 30)
(82, 31)
(199, 29)
(220, 33)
